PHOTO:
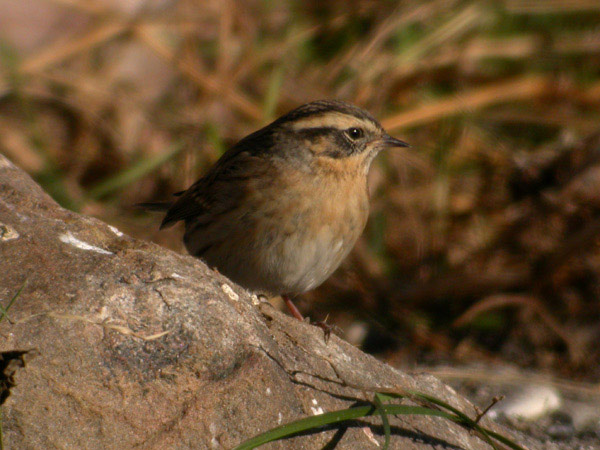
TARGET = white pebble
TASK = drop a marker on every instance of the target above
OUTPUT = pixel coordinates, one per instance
(529, 403)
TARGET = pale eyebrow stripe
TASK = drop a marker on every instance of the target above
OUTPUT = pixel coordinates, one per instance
(331, 120)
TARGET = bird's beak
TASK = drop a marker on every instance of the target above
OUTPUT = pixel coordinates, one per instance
(390, 141)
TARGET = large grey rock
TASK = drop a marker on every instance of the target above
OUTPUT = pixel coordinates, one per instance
(130, 346)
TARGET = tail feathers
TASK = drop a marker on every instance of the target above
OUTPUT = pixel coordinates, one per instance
(154, 206)
(167, 222)
(161, 207)
(173, 215)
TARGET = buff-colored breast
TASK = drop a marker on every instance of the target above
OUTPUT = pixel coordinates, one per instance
(289, 233)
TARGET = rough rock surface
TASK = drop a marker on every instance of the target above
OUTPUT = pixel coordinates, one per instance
(118, 343)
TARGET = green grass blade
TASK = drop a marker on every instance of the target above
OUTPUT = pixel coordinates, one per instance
(272, 94)
(133, 173)
(466, 420)
(503, 439)
(305, 424)
(213, 137)
(4, 311)
(387, 397)
(486, 433)
(454, 415)
(321, 420)
(384, 420)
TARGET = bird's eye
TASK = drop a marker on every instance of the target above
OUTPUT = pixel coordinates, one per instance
(355, 133)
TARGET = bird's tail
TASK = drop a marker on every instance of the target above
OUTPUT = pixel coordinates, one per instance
(154, 206)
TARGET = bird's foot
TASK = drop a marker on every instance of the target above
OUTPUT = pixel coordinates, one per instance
(327, 329)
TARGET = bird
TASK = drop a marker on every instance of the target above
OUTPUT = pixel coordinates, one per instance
(281, 209)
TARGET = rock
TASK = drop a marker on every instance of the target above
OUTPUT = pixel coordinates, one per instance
(119, 343)
(529, 403)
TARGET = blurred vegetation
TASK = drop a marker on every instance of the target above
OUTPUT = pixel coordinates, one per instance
(483, 238)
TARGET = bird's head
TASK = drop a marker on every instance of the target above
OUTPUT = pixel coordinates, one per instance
(334, 130)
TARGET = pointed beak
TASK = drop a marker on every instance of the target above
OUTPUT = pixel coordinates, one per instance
(390, 141)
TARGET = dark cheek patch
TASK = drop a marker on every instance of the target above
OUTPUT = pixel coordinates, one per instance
(329, 141)
(341, 148)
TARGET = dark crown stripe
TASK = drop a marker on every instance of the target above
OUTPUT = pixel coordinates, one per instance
(320, 107)
(313, 132)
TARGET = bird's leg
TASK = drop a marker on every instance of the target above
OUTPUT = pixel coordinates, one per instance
(294, 311)
(327, 329)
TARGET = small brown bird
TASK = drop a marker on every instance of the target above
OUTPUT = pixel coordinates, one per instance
(282, 208)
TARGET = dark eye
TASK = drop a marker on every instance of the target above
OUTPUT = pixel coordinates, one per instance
(354, 133)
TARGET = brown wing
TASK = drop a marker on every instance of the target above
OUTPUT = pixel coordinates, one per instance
(222, 189)
(223, 186)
